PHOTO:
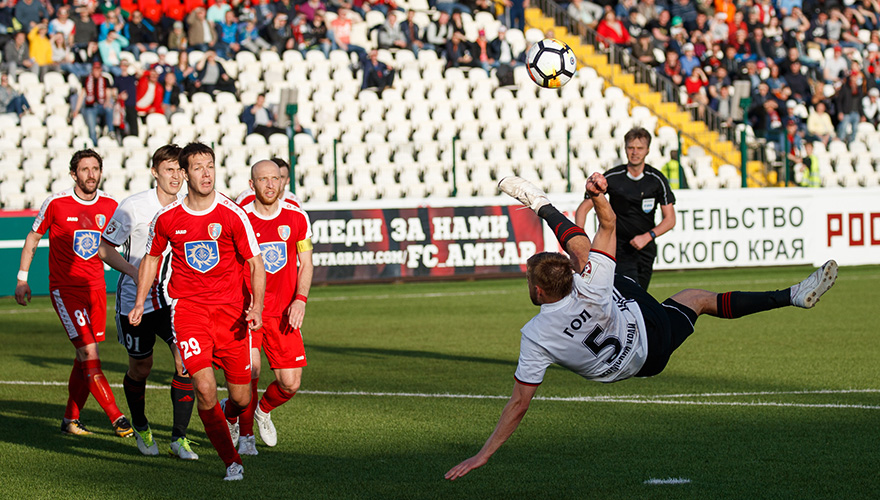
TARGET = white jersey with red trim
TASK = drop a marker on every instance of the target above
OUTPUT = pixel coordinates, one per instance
(75, 227)
(129, 228)
(208, 250)
(248, 196)
(594, 332)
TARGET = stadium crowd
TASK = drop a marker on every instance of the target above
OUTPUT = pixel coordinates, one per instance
(88, 38)
(812, 66)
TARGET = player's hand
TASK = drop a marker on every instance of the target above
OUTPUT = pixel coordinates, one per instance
(254, 318)
(465, 467)
(136, 314)
(22, 293)
(596, 184)
(639, 242)
(296, 312)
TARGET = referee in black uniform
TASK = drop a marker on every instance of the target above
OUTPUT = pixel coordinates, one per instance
(635, 190)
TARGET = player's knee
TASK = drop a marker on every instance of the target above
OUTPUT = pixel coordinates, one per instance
(139, 369)
(289, 384)
(243, 399)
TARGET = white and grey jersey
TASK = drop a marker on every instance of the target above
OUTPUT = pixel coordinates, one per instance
(129, 228)
(594, 332)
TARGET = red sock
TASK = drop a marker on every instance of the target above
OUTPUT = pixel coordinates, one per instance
(232, 411)
(274, 397)
(246, 419)
(218, 433)
(77, 391)
(100, 389)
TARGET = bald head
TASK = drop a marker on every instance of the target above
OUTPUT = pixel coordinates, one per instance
(266, 181)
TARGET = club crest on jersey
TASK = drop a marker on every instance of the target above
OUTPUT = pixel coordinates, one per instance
(274, 256)
(284, 232)
(85, 243)
(101, 219)
(587, 274)
(202, 255)
(647, 205)
(112, 227)
(214, 230)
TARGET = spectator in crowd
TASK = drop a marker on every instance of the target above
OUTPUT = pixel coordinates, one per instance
(836, 66)
(228, 31)
(126, 84)
(460, 53)
(644, 50)
(264, 11)
(112, 22)
(279, 34)
(412, 32)
(150, 94)
(64, 25)
(288, 8)
(871, 106)
(10, 100)
(249, 36)
(141, 34)
(259, 119)
(648, 9)
(689, 59)
(377, 74)
(7, 22)
(310, 7)
(17, 55)
(390, 34)
(660, 28)
(695, 84)
(501, 51)
(217, 13)
(201, 33)
(85, 30)
(29, 13)
(686, 11)
(611, 30)
(177, 38)
(586, 12)
(184, 74)
(340, 34)
(318, 36)
(170, 96)
(40, 47)
(439, 32)
(819, 125)
(450, 6)
(95, 102)
(161, 66)
(723, 105)
(848, 103)
(111, 52)
(211, 77)
(634, 25)
(82, 60)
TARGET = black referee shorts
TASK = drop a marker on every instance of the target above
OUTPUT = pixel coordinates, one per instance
(667, 325)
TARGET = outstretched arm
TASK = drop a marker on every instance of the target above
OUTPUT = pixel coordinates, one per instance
(605, 239)
(22, 289)
(114, 259)
(146, 275)
(580, 215)
(512, 415)
(297, 310)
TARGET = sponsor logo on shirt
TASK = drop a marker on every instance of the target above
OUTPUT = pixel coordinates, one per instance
(274, 256)
(73, 219)
(180, 231)
(202, 255)
(214, 230)
(284, 232)
(85, 243)
(647, 205)
(100, 219)
(111, 228)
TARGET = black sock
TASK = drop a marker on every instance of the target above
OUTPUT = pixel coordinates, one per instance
(182, 401)
(739, 304)
(134, 394)
(562, 227)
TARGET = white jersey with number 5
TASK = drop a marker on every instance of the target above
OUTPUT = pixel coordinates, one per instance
(130, 228)
(594, 332)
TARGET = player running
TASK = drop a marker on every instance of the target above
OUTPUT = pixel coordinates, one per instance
(75, 218)
(129, 228)
(284, 234)
(247, 195)
(607, 328)
(211, 311)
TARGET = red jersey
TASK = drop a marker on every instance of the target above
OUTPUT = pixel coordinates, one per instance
(280, 236)
(208, 250)
(75, 227)
(248, 196)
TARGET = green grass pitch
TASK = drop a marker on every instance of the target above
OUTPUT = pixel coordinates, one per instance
(783, 404)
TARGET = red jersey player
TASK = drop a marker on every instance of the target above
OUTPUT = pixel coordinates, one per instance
(284, 234)
(75, 218)
(248, 195)
(211, 311)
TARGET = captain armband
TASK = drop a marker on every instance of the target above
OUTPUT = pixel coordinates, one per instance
(304, 245)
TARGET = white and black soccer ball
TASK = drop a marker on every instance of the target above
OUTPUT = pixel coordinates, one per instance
(551, 63)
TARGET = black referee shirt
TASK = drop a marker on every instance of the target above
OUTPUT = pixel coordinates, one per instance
(635, 201)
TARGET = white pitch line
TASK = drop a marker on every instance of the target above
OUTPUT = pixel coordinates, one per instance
(668, 480)
(635, 399)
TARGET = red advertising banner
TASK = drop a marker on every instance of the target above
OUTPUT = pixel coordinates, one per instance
(391, 243)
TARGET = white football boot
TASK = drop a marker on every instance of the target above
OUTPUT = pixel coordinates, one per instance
(806, 293)
(266, 427)
(247, 445)
(524, 191)
(234, 429)
(234, 472)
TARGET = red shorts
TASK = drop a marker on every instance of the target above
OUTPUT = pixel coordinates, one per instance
(83, 312)
(213, 335)
(282, 344)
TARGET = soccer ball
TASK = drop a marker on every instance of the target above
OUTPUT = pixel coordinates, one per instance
(551, 63)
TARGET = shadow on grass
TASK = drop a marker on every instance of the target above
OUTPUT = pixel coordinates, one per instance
(371, 352)
(157, 375)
